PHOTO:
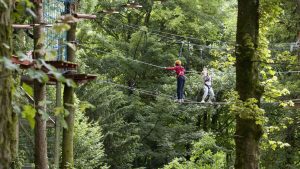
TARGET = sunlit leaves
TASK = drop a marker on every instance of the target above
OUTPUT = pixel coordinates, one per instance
(85, 105)
(277, 144)
(59, 28)
(29, 114)
(205, 155)
(28, 89)
(246, 109)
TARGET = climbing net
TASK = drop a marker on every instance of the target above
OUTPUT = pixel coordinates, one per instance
(54, 41)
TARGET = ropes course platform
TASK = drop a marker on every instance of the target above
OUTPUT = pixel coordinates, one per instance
(24, 64)
(59, 64)
(77, 78)
(80, 78)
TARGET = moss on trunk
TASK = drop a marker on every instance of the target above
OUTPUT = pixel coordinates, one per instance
(248, 133)
(68, 99)
(7, 120)
(40, 131)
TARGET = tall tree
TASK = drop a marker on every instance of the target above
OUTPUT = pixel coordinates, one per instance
(41, 159)
(7, 123)
(248, 133)
(68, 100)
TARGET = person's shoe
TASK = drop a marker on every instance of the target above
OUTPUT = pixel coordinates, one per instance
(209, 101)
(202, 101)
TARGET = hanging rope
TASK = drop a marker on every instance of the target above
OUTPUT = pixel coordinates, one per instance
(181, 49)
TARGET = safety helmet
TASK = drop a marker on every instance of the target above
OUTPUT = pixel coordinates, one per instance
(178, 62)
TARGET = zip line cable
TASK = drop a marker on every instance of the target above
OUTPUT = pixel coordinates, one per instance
(192, 71)
(171, 37)
(159, 33)
(134, 60)
(274, 63)
(287, 72)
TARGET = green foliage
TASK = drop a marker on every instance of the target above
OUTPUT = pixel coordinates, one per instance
(29, 114)
(205, 155)
(120, 136)
(28, 89)
(88, 144)
(59, 28)
(246, 109)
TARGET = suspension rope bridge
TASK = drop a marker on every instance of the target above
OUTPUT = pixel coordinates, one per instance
(146, 92)
(187, 101)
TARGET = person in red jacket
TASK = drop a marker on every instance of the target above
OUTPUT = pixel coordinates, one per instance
(180, 71)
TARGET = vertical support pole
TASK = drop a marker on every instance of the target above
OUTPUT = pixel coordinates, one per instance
(57, 127)
(187, 57)
(40, 156)
(58, 104)
(68, 99)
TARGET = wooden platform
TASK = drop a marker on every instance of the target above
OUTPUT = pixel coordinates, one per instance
(77, 78)
(24, 64)
(80, 78)
(60, 64)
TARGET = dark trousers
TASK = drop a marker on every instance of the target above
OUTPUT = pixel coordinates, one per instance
(180, 86)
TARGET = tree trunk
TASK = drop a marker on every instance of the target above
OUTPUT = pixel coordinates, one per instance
(148, 13)
(57, 127)
(248, 133)
(7, 124)
(68, 99)
(40, 157)
(298, 27)
(15, 140)
(205, 121)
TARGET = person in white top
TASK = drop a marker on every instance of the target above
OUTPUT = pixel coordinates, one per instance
(207, 87)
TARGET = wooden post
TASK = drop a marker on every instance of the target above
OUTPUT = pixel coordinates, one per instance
(68, 99)
(58, 118)
(84, 16)
(40, 156)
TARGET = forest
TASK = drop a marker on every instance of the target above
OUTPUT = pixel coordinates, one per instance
(149, 84)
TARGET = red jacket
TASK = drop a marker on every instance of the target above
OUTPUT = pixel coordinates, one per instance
(178, 69)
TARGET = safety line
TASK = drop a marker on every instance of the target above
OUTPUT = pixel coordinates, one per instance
(186, 101)
(172, 37)
(161, 67)
(157, 66)
(159, 33)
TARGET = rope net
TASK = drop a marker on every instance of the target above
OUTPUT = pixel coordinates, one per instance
(54, 41)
